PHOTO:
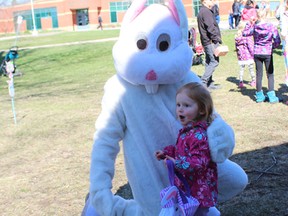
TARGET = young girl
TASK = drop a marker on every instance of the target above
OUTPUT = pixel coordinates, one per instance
(266, 38)
(191, 154)
(244, 48)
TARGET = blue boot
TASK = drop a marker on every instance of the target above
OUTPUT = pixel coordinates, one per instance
(260, 97)
(272, 97)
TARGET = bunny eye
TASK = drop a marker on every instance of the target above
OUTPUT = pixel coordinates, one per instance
(141, 43)
(163, 42)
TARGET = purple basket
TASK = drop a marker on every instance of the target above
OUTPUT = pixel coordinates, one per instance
(183, 199)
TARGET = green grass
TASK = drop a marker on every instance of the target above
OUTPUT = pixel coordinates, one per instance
(23, 40)
(45, 158)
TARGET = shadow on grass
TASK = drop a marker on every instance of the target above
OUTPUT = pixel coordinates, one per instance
(266, 194)
(250, 92)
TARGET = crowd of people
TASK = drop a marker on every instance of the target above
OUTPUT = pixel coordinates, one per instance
(255, 40)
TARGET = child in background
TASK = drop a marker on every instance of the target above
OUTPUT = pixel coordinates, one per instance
(244, 48)
(266, 38)
(191, 154)
(230, 20)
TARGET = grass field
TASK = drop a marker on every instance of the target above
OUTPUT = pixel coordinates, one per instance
(45, 157)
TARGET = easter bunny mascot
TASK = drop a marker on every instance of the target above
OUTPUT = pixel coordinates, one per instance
(152, 59)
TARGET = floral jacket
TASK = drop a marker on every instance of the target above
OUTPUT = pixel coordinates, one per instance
(266, 37)
(193, 161)
(244, 48)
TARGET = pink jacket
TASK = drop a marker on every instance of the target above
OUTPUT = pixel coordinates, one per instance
(248, 12)
(193, 161)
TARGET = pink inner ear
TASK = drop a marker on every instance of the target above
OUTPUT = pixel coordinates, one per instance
(174, 12)
(137, 12)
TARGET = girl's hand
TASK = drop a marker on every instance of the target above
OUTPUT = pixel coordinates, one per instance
(160, 155)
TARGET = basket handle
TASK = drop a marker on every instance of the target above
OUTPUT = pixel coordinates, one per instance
(172, 172)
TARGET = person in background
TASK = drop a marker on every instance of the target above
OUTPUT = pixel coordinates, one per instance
(249, 11)
(210, 37)
(215, 9)
(245, 54)
(191, 154)
(266, 38)
(265, 5)
(282, 13)
(100, 22)
(230, 20)
(241, 7)
(236, 12)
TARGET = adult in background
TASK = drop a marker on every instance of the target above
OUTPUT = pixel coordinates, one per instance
(249, 11)
(100, 22)
(215, 9)
(236, 12)
(210, 37)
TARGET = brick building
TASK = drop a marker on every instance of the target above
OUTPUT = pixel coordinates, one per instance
(79, 14)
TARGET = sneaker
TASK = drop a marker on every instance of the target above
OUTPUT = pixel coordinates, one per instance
(260, 97)
(272, 97)
(253, 83)
(241, 84)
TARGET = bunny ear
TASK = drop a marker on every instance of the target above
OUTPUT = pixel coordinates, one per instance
(134, 10)
(174, 11)
(179, 13)
(171, 193)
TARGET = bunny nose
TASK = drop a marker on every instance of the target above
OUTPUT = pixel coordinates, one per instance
(151, 75)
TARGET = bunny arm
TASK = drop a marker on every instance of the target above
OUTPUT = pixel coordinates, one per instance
(221, 139)
(110, 127)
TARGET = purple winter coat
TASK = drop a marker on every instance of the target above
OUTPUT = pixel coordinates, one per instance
(244, 48)
(266, 37)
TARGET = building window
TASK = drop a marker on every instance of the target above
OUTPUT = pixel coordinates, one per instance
(123, 6)
(196, 7)
(155, 2)
(119, 6)
(38, 14)
(115, 7)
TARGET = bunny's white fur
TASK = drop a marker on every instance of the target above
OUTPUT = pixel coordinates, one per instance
(138, 107)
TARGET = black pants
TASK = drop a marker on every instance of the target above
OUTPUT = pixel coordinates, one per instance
(236, 20)
(268, 62)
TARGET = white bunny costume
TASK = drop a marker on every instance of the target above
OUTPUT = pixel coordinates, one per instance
(152, 59)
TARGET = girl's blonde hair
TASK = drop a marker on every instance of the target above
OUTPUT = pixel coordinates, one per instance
(201, 95)
(261, 14)
(241, 27)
